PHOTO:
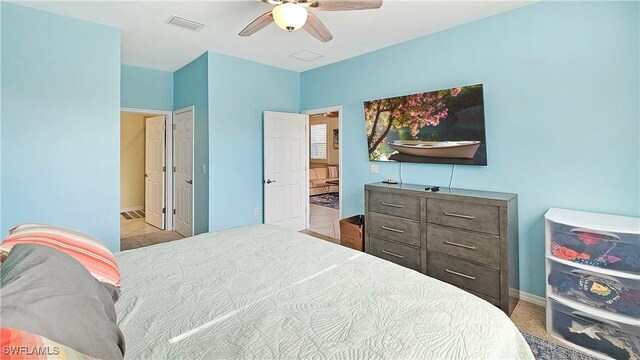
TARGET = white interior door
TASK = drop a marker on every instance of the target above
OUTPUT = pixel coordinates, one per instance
(154, 171)
(285, 179)
(183, 180)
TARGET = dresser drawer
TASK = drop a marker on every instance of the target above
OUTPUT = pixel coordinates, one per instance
(482, 218)
(400, 254)
(394, 228)
(396, 205)
(480, 248)
(458, 272)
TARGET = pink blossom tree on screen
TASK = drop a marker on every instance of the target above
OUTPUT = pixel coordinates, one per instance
(412, 111)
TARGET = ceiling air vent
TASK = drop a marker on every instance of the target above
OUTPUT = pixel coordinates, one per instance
(306, 55)
(185, 23)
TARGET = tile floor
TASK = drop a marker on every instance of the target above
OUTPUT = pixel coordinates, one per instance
(325, 221)
(320, 236)
(134, 227)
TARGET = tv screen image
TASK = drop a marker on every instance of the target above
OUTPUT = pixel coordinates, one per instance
(443, 126)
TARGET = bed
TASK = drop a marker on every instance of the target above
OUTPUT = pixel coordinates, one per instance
(266, 292)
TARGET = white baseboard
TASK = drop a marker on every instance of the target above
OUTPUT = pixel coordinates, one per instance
(132, 208)
(534, 299)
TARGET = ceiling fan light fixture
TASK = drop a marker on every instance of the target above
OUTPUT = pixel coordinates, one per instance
(290, 16)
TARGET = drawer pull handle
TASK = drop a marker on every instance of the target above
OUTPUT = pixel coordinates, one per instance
(392, 205)
(392, 254)
(607, 235)
(460, 274)
(460, 245)
(460, 215)
(580, 272)
(392, 229)
(580, 314)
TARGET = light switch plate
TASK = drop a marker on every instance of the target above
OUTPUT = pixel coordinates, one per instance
(373, 168)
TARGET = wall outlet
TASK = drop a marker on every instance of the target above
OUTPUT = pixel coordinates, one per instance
(373, 168)
(256, 211)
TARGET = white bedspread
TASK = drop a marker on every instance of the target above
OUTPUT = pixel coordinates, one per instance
(266, 292)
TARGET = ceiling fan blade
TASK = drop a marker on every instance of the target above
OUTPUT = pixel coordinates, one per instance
(316, 28)
(257, 24)
(339, 5)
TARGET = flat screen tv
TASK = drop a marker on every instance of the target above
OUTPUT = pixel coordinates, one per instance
(442, 126)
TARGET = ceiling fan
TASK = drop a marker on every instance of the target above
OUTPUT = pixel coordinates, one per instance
(292, 15)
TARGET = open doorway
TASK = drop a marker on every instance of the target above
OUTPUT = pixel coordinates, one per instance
(324, 172)
(145, 196)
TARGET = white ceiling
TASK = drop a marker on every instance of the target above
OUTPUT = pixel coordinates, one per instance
(147, 41)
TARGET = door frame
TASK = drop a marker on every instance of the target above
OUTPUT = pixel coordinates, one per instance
(310, 112)
(191, 108)
(168, 160)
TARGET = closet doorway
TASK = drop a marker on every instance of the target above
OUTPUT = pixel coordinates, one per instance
(145, 184)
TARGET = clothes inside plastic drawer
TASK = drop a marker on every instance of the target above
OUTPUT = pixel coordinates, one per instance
(617, 295)
(617, 340)
(615, 251)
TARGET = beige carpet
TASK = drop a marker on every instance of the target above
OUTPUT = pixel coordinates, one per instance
(531, 319)
(157, 237)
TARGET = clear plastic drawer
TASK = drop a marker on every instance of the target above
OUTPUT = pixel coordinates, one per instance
(610, 293)
(599, 249)
(614, 339)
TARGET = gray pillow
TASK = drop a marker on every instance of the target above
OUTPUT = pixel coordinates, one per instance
(47, 292)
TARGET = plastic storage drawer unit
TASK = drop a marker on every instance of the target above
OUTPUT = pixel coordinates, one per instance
(593, 282)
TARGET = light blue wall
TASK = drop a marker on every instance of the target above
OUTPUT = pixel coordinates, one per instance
(239, 91)
(191, 87)
(143, 88)
(60, 123)
(561, 88)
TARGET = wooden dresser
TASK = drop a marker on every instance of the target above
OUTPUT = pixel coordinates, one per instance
(467, 238)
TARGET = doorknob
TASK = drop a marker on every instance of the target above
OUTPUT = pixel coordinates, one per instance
(189, 181)
(269, 181)
(145, 175)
